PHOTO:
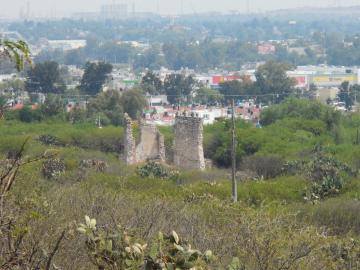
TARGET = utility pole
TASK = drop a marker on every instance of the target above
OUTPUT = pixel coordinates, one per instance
(348, 96)
(355, 102)
(233, 154)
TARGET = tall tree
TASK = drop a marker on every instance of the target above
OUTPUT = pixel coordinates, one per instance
(349, 94)
(109, 104)
(133, 102)
(151, 84)
(237, 89)
(230, 89)
(151, 58)
(271, 79)
(3, 106)
(178, 88)
(208, 96)
(45, 78)
(53, 106)
(94, 77)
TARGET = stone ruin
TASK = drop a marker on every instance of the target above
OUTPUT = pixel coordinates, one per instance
(151, 146)
(188, 143)
(129, 142)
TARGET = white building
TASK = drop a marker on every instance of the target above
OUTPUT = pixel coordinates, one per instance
(210, 115)
(66, 44)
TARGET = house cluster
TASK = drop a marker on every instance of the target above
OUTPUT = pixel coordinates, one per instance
(161, 113)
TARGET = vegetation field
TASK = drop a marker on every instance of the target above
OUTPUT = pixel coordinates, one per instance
(298, 189)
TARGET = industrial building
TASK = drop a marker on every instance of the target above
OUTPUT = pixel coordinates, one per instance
(324, 76)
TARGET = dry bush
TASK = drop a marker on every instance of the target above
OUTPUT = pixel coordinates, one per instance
(53, 168)
(266, 167)
(20, 246)
(259, 240)
(37, 223)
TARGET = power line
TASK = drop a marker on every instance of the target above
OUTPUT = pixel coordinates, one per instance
(348, 92)
(248, 95)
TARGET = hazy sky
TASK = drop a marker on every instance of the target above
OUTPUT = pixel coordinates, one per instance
(45, 8)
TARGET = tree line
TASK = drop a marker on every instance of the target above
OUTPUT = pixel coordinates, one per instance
(271, 85)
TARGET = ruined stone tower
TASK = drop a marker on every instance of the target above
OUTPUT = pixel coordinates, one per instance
(151, 146)
(188, 143)
(129, 142)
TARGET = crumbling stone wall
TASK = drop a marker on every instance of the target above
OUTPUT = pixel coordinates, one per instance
(151, 146)
(188, 143)
(129, 142)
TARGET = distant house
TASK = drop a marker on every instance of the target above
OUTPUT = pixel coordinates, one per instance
(325, 93)
(266, 48)
(17, 106)
(158, 100)
(66, 44)
(210, 115)
(297, 50)
(20, 106)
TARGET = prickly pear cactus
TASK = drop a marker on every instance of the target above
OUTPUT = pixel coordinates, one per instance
(111, 251)
(174, 254)
(118, 251)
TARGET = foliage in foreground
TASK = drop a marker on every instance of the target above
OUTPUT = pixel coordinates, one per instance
(263, 231)
(16, 251)
(255, 238)
(17, 51)
(119, 251)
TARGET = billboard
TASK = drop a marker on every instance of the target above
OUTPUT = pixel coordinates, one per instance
(327, 79)
(300, 81)
(219, 79)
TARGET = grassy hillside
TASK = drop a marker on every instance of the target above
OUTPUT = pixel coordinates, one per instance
(272, 227)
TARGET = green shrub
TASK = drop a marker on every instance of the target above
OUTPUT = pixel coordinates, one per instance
(344, 253)
(76, 116)
(48, 139)
(303, 109)
(157, 170)
(326, 174)
(29, 115)
(264, 166)
(53, 168)
(338, 215)
(54, 106)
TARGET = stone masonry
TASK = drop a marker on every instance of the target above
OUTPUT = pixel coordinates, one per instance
(188, 143)
(151, 146)
(129, 142)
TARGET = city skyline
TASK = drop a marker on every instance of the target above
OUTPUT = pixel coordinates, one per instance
(52, 8)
